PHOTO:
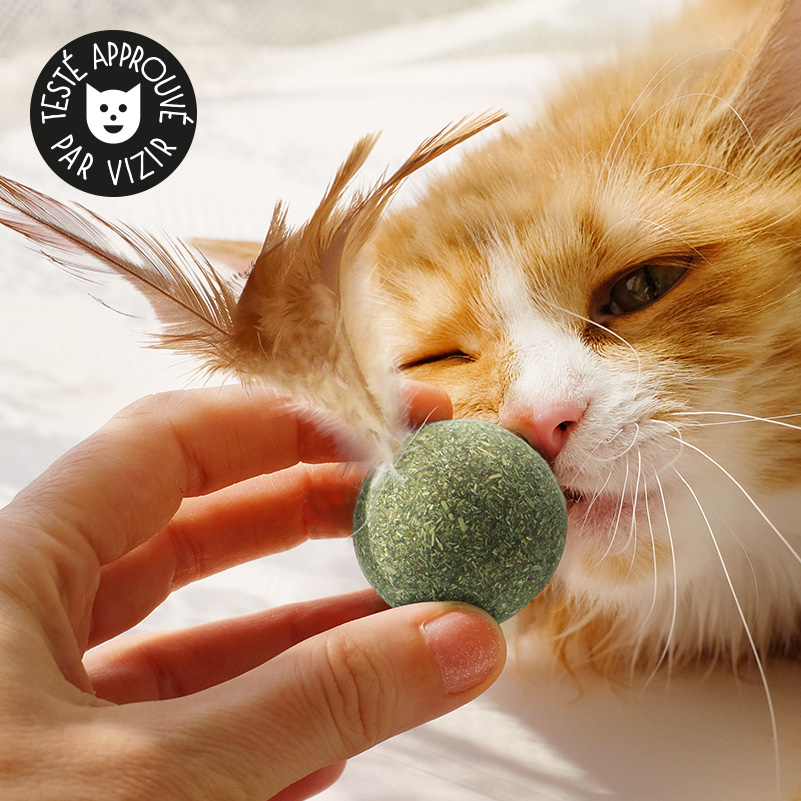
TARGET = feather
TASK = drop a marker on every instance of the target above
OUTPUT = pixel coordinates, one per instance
(307, 316)
(192, 300)
(306, 320)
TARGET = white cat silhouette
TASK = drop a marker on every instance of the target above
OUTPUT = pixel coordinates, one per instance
(113, 115)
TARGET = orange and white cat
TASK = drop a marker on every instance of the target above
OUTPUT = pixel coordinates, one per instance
(618, 282)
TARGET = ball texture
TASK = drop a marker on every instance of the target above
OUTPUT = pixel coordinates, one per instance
(467, 512)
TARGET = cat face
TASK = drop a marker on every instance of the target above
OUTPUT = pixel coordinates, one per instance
(112, 116)
(618, 285)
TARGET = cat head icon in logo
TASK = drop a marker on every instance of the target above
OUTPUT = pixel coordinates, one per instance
(113, 115)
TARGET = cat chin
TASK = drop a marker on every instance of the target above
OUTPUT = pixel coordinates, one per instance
(664, 597)
(590, 568)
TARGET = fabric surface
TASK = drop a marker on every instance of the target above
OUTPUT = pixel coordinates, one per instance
(283, 91)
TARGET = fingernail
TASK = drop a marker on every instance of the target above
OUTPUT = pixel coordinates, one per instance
(466, 647)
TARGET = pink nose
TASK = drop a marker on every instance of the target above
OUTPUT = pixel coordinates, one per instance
(546, 429)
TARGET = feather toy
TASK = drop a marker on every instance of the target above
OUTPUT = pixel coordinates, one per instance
(306, 320)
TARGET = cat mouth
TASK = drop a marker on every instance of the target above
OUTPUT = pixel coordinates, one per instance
(112, 128)
(605, 511)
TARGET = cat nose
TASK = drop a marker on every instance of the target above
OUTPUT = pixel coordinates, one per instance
(545, 428)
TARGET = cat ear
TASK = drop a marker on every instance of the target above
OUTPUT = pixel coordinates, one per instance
(91, 92)
(133, 94)
(772, 93)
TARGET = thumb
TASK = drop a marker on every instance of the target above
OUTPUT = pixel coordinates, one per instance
(339, 693)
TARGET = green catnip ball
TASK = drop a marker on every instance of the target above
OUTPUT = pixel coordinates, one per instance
(467, 512)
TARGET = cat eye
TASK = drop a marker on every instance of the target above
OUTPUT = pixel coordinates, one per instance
(103, 107)
(446, 356)
(642, 287)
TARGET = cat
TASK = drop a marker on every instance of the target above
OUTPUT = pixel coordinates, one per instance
(618, 283)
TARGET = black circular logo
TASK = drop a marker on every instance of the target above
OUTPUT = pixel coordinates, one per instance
(113, 113)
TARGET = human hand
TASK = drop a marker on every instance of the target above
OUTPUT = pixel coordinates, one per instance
(269, 705)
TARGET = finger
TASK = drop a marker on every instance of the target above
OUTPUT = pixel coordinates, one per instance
(312, 785)
(154, 667)
(331, 696)
(425, 403)
(255, 518)
(264, 515)
(124, 483)
(177, 445)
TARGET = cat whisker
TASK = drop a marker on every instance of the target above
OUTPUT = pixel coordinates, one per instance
(644, 625)
(616, 527)
(748, 634)
(616, 456)
(678, 99)
(678, 438)
(592, 453)
(595, 497)
(608, 331)
(670, 231)
(694, 164)
(633, 441)
(625, 123)
(650, 87)
(633, 527)
(742, 418)
(748, 498)
(667, 652)
(605, 459)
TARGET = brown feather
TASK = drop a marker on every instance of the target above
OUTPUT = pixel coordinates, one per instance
(306, 320)
(192, 300)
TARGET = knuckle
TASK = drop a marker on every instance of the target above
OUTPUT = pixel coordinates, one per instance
(329, 495)
(166, 416)
(359, 696)
(152, 405)
(189, 558)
